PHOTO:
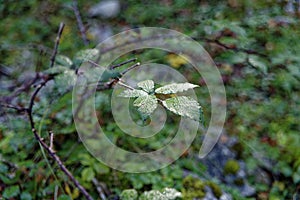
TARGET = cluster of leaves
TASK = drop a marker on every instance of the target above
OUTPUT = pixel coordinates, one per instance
(147, 99)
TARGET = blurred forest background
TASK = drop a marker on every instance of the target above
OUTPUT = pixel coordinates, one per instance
(255, 45)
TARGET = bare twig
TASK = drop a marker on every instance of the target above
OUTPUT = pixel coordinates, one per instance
(57, 40)
(234, 48)
(113, 66)
(125, 85)
(123, 63)
(17, 108)
(50, 151)
(107, 85)
(93, 63)
(51, 140)
(130, 68)
(80, 23)
(99, 189)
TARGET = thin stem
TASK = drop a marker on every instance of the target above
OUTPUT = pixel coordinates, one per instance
(130, 68)
(80, 23)
(51, 140)
(17, 108)
(233, 48)
(57, 40)
(125, 85)
(114, 66)
(123, 63)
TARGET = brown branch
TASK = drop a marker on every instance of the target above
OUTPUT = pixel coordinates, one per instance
(57, 40)
(80, 23)
(234, 48)
(17, 108)
(49, 149)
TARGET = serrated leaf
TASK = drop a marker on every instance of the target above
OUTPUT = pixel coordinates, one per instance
(63, 60)
(146, 104)
(183, 106)
(174, 88)
(87, 54)
(132, 93)
(147, 85)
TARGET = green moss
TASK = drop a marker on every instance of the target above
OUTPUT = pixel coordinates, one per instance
(215, 189)
(192, 188)
(231, 167)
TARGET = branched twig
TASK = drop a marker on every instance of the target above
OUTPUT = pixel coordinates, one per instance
(25, 87)
(57, 40)
(17, 108)
(80, 23)
(49, 149)
(29, 110)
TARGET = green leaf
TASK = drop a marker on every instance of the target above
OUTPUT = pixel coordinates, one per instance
(174, 88)
(258, 62)
(3, 168)
(10, 192)
(26, 196)
(133, 93)
(109, 74)
(64, 197)
(146, 104)
(296, 177)
(100, 168)
(184, 106)
(63, 60)
(85, 159)
(147, 85)
(88, 174)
